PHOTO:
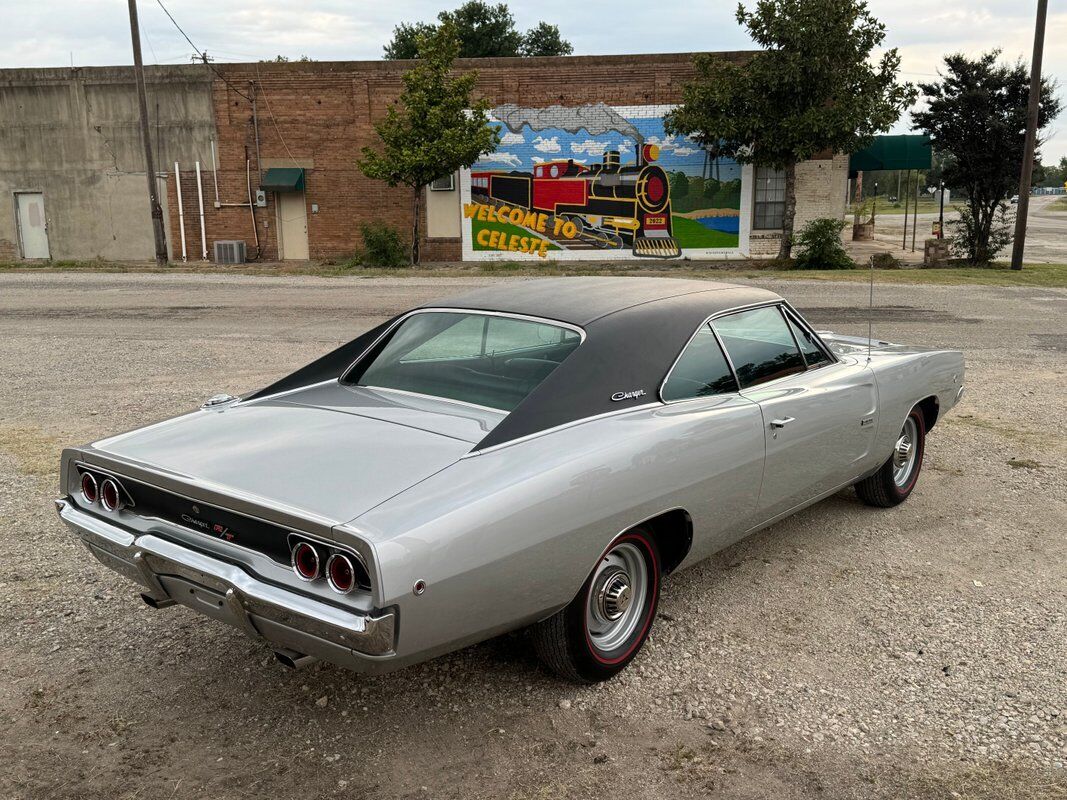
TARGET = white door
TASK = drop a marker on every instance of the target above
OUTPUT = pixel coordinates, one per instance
(33, 226)
(292, 226)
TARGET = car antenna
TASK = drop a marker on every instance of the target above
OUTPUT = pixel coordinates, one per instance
(870, 314)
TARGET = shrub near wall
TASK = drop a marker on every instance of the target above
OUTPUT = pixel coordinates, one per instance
(819, 246)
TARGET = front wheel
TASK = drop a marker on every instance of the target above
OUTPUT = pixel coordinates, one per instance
(604, 627)
(896, 478)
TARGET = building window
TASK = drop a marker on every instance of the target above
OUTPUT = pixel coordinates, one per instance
(445, 184)
(769, 209)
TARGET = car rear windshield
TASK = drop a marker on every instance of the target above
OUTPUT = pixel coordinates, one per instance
(484, 359)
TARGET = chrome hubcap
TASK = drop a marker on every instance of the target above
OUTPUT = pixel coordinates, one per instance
(904, 453)
(617, 598)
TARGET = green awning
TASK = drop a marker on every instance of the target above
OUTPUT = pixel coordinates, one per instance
(910, 151)
(283, 179)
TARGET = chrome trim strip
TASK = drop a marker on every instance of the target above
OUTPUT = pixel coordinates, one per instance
(153, 556)
(470, 311)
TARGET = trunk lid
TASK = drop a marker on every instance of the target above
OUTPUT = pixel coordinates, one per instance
(328, 450)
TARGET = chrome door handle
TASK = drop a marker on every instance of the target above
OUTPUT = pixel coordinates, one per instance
(781, 423)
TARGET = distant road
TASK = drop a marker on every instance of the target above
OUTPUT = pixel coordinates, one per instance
(1046, 231)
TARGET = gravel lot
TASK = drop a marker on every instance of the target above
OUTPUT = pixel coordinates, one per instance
(846, 653)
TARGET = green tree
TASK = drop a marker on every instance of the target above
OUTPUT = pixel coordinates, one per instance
(976, 114)
(544, 40)
(679, 185)
(434, 129)
(1055, 176)
(812, 89)
(484, 31)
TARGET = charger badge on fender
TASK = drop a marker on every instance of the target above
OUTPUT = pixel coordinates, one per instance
(631, 395)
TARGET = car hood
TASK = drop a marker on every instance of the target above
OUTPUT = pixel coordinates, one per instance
(330, 451)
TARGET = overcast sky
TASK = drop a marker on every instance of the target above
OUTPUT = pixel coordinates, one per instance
(91, 32)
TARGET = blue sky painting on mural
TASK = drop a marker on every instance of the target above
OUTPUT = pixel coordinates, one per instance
(595, 146)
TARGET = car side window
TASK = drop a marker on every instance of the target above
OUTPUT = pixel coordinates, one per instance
(760, 345)
(700, 371)
(813, 354)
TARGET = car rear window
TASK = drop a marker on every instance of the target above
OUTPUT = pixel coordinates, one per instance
(485, 359)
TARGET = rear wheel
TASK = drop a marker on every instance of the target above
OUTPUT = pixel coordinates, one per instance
(896, 478)
(604, 627)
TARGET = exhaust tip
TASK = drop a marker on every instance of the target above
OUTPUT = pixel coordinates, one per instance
(293, 659)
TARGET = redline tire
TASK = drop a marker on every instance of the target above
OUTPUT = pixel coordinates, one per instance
(568, 643)
(890, 486)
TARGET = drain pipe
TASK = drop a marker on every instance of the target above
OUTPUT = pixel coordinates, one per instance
(181, 209)
(215, 174)
(200, 200)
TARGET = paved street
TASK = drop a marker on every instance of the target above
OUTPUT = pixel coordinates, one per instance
(1046, 232)
(844, 653)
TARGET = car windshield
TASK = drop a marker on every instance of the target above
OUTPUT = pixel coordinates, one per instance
(484, 359)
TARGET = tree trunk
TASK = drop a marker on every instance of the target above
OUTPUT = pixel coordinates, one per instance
(415, 226)
(785, 250)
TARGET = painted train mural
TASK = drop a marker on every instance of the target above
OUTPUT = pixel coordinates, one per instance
(593, 180)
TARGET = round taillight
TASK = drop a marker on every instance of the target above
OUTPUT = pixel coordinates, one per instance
(90, 491)
(305, 560)
(340, 574)
(110, 495)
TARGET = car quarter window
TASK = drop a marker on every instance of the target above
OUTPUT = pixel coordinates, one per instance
(484, 359)
(760, 345)
(814, 355)
(701, 370)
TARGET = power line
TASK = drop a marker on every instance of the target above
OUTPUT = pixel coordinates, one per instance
(202, 53)
(259, 90)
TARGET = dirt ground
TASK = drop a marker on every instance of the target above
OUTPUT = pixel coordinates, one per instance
(847, 652)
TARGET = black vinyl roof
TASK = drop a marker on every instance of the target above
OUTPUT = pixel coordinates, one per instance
(635, 328)
(581, 301)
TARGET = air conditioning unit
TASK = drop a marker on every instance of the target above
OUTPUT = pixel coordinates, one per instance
(230, 252)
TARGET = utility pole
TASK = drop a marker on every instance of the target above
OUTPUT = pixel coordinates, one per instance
(149, 163)
(1031, 137)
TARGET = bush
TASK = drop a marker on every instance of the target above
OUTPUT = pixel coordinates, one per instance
(382, 246)
(967, 236)
(819, 245)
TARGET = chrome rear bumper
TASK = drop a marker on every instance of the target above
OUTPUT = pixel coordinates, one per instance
(172, 574)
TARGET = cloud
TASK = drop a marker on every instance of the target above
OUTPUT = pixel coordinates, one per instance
(507, 159)
(685, 151)
(590, 147)
(509, 139)
(543, 145)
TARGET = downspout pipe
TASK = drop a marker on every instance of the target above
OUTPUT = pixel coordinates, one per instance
(200, 200)
(181, 208)
(215, 174)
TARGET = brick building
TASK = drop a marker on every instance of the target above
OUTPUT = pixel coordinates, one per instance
(276, 144)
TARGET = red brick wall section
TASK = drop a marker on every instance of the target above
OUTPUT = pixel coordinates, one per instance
(323, 112)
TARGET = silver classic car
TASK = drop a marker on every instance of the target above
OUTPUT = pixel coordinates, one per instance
(536, 454)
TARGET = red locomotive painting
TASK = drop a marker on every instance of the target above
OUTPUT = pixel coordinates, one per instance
(611, 205)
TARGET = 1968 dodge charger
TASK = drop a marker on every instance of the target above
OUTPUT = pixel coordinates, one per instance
(541, 453)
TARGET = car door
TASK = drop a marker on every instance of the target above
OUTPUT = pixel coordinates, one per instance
(717, 436)
(818, 411)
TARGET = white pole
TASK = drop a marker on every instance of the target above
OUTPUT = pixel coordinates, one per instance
(200, 199)
(215, 173)
(181, 209)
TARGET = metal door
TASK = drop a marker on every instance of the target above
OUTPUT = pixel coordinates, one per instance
(819, 427)
(292, 226)
(32, 225)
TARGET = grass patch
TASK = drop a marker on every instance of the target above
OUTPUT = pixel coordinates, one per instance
(35, 452)
(1024, 463)
(1059, 205)
(691, 234)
